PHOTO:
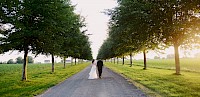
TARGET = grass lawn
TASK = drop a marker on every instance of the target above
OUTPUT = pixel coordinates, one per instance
(187, 64)
(161, 81)
(40, 78)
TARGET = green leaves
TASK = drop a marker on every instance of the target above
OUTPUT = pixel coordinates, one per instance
(138, 25)
(41, 26)
(148, 24)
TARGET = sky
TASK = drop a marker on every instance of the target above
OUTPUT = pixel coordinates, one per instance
(96, 20)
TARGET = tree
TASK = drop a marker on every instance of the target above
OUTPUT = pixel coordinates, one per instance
(37, 26)
(130, 22)
(19, 60)
(10, 61)
(86, 52)
(30, 59)
(156, 24)
(22, 36)
(156, 57)
(106, 51)
(178, 24)
(56, 26)
(170, 56)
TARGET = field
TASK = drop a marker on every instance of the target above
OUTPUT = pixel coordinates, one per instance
(40, 78)
(186, 64)
(160, 78)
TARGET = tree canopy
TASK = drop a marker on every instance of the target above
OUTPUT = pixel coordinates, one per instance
(41, 26)
(140, 25)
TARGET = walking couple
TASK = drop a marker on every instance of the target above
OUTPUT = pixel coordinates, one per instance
(96, 69)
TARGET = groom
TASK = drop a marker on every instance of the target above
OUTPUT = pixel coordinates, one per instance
(99, 66)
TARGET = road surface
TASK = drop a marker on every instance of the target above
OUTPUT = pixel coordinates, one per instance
(111, 85)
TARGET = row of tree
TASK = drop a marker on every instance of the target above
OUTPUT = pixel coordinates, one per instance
(140, 25)
(42, 27)
(18, 60)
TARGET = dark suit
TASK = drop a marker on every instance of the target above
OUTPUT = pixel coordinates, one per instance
(99, 66)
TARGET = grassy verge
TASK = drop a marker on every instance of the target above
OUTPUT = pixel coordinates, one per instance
(40, 78)
(162, 81)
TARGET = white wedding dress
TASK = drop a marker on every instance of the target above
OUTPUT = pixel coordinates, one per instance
(93, 72)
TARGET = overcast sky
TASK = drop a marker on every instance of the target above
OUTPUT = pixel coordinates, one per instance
(95, 19)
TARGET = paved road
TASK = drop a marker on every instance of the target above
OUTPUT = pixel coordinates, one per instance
(111, 85)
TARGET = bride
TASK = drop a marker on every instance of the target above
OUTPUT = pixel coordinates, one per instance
(93, 71)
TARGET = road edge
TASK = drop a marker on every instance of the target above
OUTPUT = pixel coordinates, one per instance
(147, 91)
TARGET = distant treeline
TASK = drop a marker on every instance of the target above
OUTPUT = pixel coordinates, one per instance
(18, 60)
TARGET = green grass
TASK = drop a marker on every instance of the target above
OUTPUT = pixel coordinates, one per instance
(192, 64)
(40, 78)
(161, 81)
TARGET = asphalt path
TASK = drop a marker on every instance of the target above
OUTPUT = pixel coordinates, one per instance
(110, 85)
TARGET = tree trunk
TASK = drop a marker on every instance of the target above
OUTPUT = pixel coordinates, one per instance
(145, 61)
(131, 61)
(64, 62)
(52, 56)
(24, 69)
(177, 62)
(123, 60)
